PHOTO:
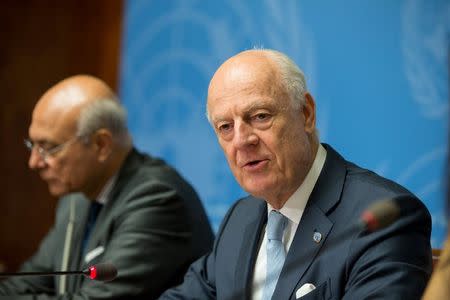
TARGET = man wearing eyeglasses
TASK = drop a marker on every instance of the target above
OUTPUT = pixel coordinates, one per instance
(117, 205)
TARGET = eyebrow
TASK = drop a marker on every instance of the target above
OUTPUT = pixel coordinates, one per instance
(42, 141)
(259, 105)
(263, 104)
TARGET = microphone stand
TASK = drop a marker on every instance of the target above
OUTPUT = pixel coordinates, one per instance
(10, 274)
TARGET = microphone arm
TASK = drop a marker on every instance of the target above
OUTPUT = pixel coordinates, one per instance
(99, 272)
(12, 274)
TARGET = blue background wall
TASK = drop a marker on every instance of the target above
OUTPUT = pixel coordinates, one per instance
(377, 69)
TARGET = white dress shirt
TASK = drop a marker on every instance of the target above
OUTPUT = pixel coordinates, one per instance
(293, 210)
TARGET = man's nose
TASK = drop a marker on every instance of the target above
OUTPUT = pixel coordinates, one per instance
(35, 161)
(245, 136)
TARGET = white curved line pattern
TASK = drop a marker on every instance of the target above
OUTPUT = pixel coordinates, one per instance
(425, 45)
(423, 162)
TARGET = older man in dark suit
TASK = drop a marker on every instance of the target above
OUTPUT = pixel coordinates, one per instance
(117, 205)
(296, 235)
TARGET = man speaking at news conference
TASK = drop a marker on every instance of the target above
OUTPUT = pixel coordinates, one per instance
(117, 205)
(295, 236)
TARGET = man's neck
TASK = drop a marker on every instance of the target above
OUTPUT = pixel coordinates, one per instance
(112, 167)
(278, 201)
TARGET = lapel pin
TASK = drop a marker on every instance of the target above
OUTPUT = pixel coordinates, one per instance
(317, 237)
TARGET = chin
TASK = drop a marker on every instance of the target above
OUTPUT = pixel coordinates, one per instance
(57, 192)
(262, 189)
(257, 191)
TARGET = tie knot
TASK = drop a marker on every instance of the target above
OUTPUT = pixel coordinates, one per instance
(275, 226)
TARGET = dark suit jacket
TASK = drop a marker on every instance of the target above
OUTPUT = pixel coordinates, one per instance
(347, 263)
(151, 229)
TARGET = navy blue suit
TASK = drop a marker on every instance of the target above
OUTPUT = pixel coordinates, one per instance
(347, 263)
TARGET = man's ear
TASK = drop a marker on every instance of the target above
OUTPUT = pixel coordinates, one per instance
(103, 142)
(309, 113)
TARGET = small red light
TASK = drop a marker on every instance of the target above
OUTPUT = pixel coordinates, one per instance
(93, 272)
(371, 221)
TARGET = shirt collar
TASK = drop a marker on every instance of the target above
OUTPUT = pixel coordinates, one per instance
(295, 205)
(106, 191)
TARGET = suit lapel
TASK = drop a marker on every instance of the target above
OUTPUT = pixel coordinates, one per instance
(75, 259)
(248, 252)
(81, 214)
(102, 223)
(302, 251)
(324, 197)
(82, 210)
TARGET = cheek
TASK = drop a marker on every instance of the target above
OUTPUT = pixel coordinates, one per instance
(74, 170)
(273, 144)
(68, 175)
(230, 153)
(58, 167)
(286, 146)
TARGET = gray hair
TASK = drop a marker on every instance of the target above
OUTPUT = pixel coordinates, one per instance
(292, 78)
(104, 113)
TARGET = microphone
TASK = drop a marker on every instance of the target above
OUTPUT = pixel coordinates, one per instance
(380, 215)
(100, 272)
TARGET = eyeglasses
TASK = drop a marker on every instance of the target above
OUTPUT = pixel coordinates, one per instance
(46, 153)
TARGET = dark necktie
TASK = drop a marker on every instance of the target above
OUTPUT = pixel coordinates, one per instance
(92, 217)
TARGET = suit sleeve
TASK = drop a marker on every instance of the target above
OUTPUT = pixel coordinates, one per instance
(149, 245)
(199, 281)
(395, 262)
(41, 261)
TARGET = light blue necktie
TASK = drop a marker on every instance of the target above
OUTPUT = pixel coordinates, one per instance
(275, 252)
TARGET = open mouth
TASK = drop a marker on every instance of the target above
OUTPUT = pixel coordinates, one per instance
(253, 163)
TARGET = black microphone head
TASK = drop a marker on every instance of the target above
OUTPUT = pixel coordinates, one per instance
(380, 214)
(101, 272)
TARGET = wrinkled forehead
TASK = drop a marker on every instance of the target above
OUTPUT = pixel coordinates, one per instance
(244, 78)
(243, 67)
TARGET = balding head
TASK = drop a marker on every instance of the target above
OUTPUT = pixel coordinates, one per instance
(84, 103)
(65, 100)
(77, 91)
(277, 68)
(265, 123)
(81, 113)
